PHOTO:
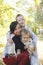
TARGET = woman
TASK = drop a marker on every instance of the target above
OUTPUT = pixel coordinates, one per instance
(18, 58)
(21, 20)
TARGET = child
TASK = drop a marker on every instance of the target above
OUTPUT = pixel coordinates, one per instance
(26, 39)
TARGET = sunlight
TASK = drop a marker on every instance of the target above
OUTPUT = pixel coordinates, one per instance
(12, 3)
(40, 49)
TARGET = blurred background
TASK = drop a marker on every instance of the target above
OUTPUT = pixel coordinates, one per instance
(32, 10)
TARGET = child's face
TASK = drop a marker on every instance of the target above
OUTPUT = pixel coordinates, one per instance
(25, 38)
(17, 30)
(21, 20)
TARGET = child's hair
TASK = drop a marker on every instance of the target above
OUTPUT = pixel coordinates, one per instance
(24, 31)
(12, 26)
(18, 16)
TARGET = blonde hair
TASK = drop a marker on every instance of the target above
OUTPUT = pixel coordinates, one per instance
(24, 31)
(18, 16)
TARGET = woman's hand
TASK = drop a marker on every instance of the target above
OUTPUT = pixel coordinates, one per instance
(18, 51)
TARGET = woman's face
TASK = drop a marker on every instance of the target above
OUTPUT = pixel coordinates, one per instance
(17, 30)
(21, 20)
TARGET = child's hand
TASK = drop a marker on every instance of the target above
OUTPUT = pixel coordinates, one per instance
(32, 49)
(26, 47)
(29, 51)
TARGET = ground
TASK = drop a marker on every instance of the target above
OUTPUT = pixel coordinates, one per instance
(40, 50)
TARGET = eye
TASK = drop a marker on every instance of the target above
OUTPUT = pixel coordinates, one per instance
(24, 37)
(18, 20)
(15, 29)
(18, 27)
(27, 37)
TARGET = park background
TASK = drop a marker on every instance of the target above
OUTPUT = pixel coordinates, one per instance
(32, 10)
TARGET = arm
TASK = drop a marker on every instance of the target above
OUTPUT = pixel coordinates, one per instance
(5, 52)
(9, 37)
(31, 46)
(14, 48)
(6, 47)
(33, 36)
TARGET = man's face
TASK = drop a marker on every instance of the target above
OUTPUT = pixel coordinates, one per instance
(21, 20)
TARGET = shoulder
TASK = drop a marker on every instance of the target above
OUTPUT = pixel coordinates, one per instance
(8, 35)
(12, 35)
(30, 42)
(28, 28)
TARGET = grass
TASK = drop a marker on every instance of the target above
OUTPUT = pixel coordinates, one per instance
(2, 31)
(2, 45)
(40, 37)
(1, 62)
(41, 61)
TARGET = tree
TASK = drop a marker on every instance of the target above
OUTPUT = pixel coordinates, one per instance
(6, 13)
(39, 12)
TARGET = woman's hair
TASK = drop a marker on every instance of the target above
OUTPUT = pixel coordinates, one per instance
(13, 26)
(18, 16)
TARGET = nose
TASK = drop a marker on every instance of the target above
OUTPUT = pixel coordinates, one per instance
(22, 21)
(19, 30)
